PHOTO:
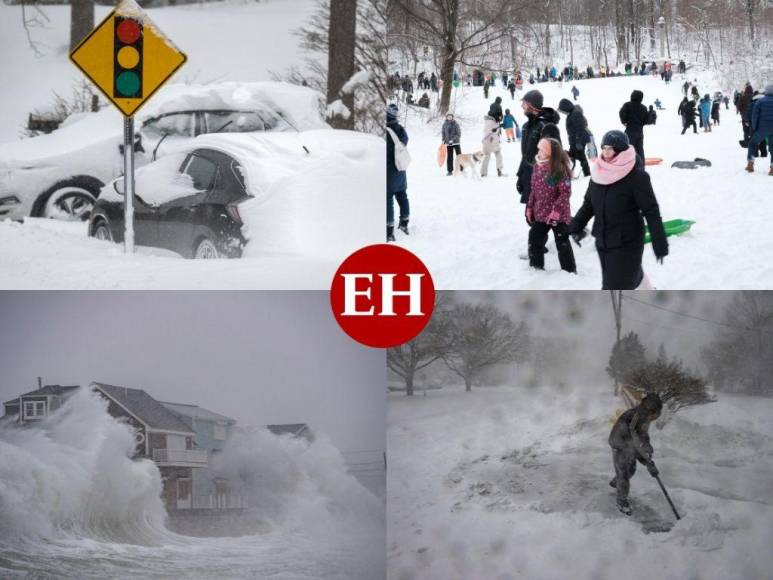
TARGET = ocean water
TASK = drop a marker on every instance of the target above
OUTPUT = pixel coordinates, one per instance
(73, 504)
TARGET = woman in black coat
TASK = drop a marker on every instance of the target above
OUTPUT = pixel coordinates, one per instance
(618, 195)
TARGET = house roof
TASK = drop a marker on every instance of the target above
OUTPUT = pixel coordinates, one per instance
(294, 429)
(145, 408)
(46, 390)
(197, 412)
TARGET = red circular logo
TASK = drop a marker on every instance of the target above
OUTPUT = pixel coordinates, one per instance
(382, 295)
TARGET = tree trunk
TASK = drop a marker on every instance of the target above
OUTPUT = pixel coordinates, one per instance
(340, 64)
(409, 384)
(81, 20)
(467, 384)
(447, 76)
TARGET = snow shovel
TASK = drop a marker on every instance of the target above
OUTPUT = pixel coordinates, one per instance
(667, 498)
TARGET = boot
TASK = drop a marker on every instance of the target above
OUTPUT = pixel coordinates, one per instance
(403, 226)
(390, 233)
(624, 506)
(750, 166)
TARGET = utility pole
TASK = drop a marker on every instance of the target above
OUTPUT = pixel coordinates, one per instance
(617, 308)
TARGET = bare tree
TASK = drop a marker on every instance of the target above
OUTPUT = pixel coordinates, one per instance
(431, 345)
(81, 20)
(483, 336)
(341, 63)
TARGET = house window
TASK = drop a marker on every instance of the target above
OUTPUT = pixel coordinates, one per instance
(34, 409)
(219, 433)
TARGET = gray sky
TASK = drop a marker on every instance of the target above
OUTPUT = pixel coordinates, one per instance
(259, 357)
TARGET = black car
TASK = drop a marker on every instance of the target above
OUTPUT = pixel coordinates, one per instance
(202, 222)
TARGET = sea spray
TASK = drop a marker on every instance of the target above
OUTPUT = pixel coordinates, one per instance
(72, 475)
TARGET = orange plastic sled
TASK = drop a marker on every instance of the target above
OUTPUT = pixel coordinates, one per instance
(441, 155)
(653, 161)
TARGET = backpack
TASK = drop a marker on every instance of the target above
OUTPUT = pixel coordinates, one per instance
(402, 156)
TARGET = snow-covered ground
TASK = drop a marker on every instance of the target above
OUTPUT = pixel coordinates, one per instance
(470, 234)
(318, 209)
(512, 482)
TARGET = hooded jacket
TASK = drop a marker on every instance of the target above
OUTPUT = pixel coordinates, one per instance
(531, 132)
(576, 124)
(490, 138)
(633, 114)
(762, 113)
(495, 110)
(451, 132)
(396, 180)
(632, 430)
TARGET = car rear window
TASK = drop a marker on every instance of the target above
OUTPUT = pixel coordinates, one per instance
(202, 172)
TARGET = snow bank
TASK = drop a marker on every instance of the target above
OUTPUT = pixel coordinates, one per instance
(517, 487)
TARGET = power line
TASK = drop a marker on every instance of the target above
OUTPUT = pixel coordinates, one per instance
(684, 314)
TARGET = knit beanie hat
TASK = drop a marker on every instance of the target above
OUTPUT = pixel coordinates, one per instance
(565, 106)
(615, 139)
(534, 98)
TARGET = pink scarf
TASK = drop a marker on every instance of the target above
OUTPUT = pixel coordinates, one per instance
(608, 172)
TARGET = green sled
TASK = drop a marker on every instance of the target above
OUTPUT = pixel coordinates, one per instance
(456, 83)
(672, 227)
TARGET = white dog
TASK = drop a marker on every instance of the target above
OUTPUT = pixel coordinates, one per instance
(468, 161)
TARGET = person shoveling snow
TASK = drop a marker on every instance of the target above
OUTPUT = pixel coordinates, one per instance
(630, 442)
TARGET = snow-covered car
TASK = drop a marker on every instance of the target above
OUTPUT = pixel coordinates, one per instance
(226, 195)
(61, 174)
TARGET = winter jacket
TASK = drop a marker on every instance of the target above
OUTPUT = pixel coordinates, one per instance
(652, 117)
(705, 108)
(688, 111)
(680, 110)
(396, 180)
(617, 210)
(452, 133)
(715, 110)
(490, 138)
(576, 127)
(762, 116)
(495, 110)
(632, 430)
(744, 103)
(531, 132)
(508, 122)
(548, 194)
(633, 114)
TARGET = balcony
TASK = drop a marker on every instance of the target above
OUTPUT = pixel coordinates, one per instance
(180, 457)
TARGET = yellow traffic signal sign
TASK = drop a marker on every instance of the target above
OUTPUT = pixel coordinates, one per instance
(127, 57)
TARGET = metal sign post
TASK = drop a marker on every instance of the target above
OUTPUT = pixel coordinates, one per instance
(128, 184)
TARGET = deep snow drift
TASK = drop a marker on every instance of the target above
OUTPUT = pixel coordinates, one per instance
(470, 234)
(512, 483)
(74, 505)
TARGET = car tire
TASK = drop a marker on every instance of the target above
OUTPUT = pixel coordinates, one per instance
(102, 231)
(205, 249)
(70, 200)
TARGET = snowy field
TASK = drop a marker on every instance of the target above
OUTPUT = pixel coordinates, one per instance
(470, 234)
(317, 214)
(505, 483)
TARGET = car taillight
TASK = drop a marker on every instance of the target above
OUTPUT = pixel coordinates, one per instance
(233, 211)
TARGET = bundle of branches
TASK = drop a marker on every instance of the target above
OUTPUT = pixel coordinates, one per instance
(676, 386)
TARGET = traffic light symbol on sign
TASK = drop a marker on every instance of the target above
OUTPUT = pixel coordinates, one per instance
(127, 58)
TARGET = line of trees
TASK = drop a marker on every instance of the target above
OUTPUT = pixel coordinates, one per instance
(468, 338)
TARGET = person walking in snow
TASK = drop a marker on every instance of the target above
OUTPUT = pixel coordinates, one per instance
(531, 132)
(634, 115)
(495, 110)
(575, 92)
(619, 194)
(744, 108)
(510, 125)
(548, 205)
(577, 130)
(705, 110)
(511, 88)
(397, 181)
(491, 145)
(652, 116)
(630, 442)
(687, 111)
(486, 85)
(685, 87)
(761, 120)
(452, 137)
(726, 100)
(715, 111)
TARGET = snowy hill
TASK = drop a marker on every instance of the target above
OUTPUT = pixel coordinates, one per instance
(513, 483)
(471, 233)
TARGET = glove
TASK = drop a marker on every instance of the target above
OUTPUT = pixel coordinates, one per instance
(553, 218)
(652, 469)
(578, 237)
(529, 215)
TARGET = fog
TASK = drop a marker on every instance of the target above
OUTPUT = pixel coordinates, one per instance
(258, 357)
